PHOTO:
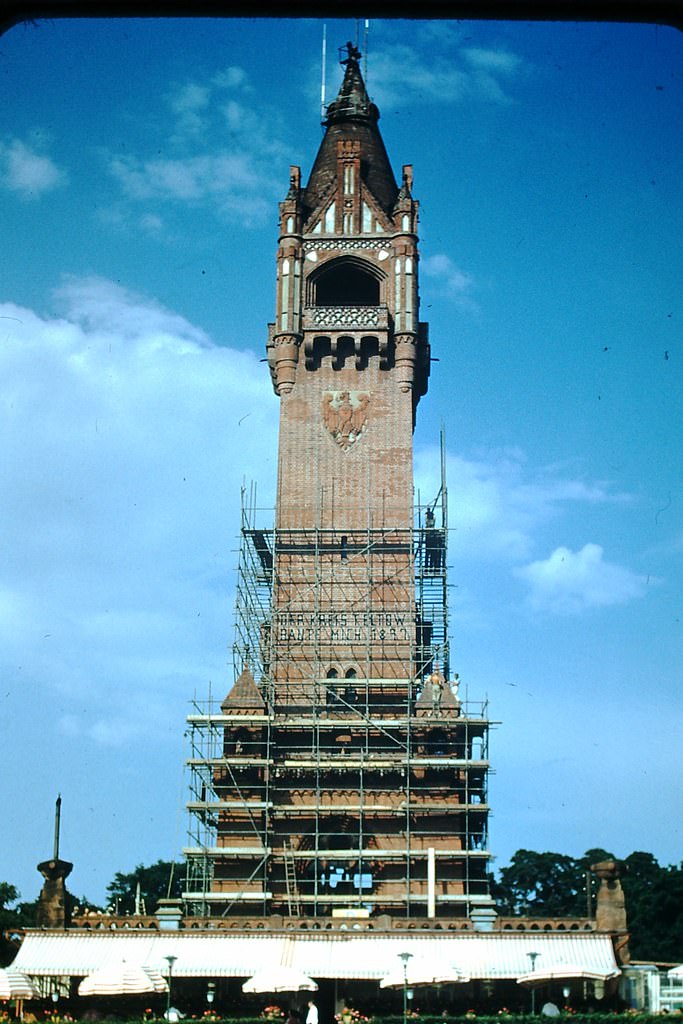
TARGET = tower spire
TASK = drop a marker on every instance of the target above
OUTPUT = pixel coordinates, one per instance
(352, 100)
(352, 118)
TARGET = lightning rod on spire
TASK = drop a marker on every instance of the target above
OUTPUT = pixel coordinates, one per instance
(322, 83)
(365, 50)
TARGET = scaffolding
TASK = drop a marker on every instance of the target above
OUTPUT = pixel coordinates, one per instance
(344, 771)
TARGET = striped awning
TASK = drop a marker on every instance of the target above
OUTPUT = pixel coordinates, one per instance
(343, 955)
(124, 979)
(14, 984)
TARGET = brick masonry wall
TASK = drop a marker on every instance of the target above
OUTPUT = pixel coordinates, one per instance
(320, 484)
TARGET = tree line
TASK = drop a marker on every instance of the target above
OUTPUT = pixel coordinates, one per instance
(555, 885)
(532, 885)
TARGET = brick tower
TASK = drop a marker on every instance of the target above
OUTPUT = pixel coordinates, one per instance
(349, 360)
(343, 772)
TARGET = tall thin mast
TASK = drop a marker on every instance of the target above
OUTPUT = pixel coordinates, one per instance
(365, 50)
(58, 815)
(322, 82)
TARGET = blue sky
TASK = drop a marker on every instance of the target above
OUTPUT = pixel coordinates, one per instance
(141, 163)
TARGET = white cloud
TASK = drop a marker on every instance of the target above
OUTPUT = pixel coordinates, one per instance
(229, 182)
(398, 69)
(152, 223)
(219, 152)
(488, 71)
(189, 103)
(189, 178)
(26, 171)
(109, 311)
(498, 503)
(571, 581)
(492, 60)
(451, 76)
(122, 466)
(436, 32)
(456, 283)
(190, 97)
(232, 78)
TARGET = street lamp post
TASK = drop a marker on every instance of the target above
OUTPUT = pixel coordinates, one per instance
(533, 957)
(211, 993)
(170, 960)
(404, 958)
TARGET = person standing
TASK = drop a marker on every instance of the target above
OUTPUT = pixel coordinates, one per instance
(312, 1015)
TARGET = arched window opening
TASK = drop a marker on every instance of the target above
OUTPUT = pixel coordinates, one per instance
(346, 284)
(350, 694)
(331, 689)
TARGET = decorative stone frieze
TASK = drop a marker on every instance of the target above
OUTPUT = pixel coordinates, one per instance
(345, 316)
(344, 244)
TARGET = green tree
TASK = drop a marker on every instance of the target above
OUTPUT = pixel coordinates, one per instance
(14, 919)
(11, 919)
(77, 904)
(554, 885)
(8, 894)
(157, 881)
(654, 908)
(549, 884)
(541, 885)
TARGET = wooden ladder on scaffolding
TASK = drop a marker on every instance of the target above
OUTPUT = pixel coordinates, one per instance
(293, 903)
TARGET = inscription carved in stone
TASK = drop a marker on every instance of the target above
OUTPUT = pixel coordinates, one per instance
(343, 626)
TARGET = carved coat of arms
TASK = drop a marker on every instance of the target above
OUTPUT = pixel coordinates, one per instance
(345, 415)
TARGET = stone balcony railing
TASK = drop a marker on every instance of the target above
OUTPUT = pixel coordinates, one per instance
(93, 920)
(336, 318)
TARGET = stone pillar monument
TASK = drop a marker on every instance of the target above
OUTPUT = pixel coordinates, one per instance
(53, 909)
(610, 912)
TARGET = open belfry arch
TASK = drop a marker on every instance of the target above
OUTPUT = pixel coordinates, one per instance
(343, 771)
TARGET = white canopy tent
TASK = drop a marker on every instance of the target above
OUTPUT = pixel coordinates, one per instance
(280, 979)
(419, 971)
(563, 971)
(15, 985)
(122, 978)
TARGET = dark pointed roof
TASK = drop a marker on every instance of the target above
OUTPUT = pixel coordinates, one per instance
(353, 99)
(244, 694)
(352, 115)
